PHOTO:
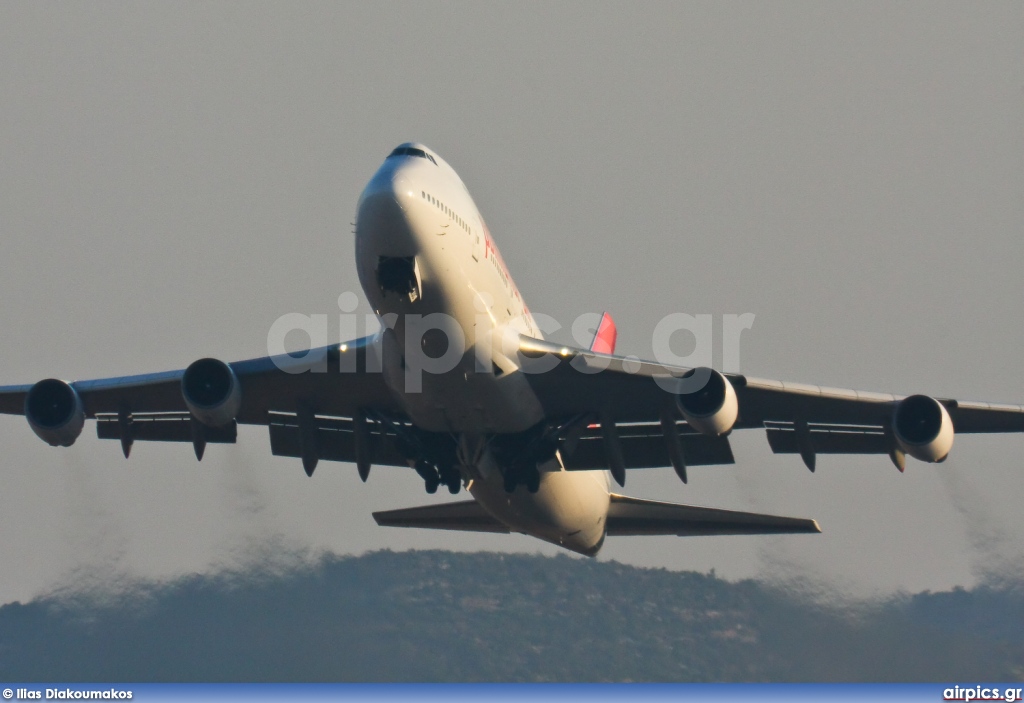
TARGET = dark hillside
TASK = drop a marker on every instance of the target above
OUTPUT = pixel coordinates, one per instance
(439, 616)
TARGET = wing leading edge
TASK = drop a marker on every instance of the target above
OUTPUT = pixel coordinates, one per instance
(342, 380)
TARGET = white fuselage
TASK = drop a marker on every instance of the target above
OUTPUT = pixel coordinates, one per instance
(416, 211)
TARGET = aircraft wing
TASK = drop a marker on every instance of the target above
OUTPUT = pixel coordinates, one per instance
(267, 384)
(151, 407)
(798, 418)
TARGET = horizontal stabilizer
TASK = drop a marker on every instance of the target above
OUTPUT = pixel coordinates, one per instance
(633, 516)
(466, 516)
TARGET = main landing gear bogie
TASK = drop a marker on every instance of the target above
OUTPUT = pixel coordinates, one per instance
(434, 476)
(528, 476)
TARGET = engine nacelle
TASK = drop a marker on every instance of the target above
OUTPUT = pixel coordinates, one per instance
(54, 411)
(711, 410)
(923, 428)
(212, 392)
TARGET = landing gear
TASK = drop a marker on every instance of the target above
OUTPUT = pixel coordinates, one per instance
(433, 455)
(434, 476)
(428, 472)
(521, 453)
(450, 477)
(528, 476)
(533, 480)
(510, 482)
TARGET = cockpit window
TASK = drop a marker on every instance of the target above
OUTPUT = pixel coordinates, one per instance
(411, 151)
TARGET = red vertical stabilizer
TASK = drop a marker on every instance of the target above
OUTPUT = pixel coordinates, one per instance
(604, 338)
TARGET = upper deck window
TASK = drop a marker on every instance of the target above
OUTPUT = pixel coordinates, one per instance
(411, 151)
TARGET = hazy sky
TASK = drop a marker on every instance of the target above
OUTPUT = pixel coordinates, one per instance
(174, 177)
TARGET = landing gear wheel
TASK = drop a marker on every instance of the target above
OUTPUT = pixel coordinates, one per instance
(429, 474)
(450, 477)
(533, 481)
(510, 482)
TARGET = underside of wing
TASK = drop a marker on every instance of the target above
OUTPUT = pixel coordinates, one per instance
(633, 516)
(644, 447)
(336, 440)
(319, 399)
(466, 516)
(635, 401)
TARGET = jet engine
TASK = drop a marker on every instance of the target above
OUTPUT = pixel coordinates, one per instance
(54, 412)
(712, 409)
(212, 392)
(923, 428)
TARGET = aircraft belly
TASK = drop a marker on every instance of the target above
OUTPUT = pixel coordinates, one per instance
(569, 509)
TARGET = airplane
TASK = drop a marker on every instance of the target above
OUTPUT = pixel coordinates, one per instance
(461, 386)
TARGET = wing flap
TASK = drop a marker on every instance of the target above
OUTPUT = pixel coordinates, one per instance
(335, 439)
(644, 447)
(163, 427)
(829, 439)
(465, 516)
(634, 516)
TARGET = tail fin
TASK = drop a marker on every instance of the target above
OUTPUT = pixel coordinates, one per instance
(604, 337)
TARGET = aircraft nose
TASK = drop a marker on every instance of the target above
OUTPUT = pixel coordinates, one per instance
(389, 182)
(384, 211)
